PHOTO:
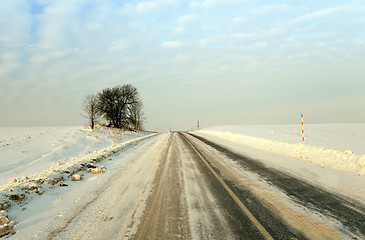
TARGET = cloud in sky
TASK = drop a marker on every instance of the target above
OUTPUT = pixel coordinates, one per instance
(220, 62)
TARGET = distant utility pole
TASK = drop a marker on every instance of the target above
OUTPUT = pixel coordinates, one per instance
(198, 127)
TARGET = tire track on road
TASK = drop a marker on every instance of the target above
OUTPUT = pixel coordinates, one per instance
(348, 212)
(165, 216)
(245, 210)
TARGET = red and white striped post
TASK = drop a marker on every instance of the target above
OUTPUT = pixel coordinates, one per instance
(302, 129)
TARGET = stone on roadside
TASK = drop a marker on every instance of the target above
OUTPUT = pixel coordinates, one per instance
(76, 177)
(3, 213)
(6, 228)
(95, 170)
(3, 220)
(13, 181)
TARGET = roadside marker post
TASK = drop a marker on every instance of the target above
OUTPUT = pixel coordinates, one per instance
(302, 128)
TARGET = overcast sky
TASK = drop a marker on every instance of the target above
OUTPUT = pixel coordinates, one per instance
(217, 61)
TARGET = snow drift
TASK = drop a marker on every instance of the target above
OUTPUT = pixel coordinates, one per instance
(343, 160)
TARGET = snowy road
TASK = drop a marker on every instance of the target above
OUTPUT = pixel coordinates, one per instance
(166, 191)
(188, 202)
(288, 207)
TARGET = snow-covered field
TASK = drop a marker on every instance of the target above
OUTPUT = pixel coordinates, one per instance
(27, 151)
(336, 146)
(34, 160)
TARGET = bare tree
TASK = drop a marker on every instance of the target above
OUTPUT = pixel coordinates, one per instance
(115, 104)
(90, 107)
(137, 117)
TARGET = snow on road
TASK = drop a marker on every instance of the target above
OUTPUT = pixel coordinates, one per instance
(335, 146)
(270, 202)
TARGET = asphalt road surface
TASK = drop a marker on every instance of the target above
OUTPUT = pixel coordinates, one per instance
(181, 186)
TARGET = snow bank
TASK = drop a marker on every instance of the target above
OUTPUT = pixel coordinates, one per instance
(25, 151)
(19, 190)
(343, 160)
